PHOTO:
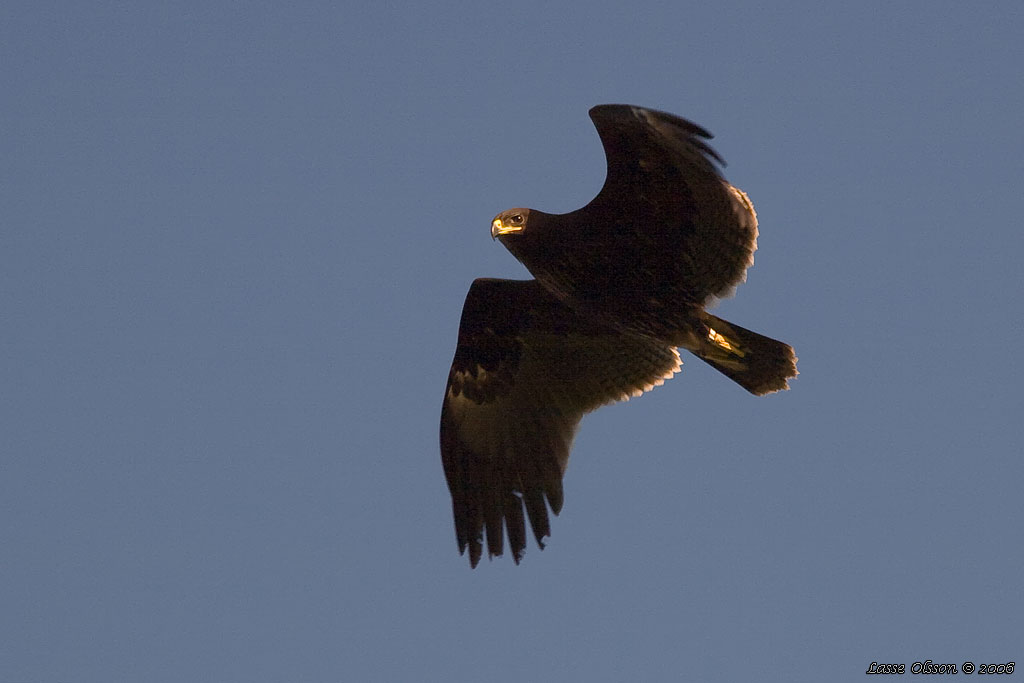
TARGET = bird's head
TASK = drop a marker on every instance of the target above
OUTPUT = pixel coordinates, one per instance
(509, 222)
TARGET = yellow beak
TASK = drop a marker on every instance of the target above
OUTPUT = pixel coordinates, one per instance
(499, 228)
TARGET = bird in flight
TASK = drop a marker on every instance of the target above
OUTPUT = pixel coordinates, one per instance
(619, 285)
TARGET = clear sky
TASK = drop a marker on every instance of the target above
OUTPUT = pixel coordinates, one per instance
(235, 239)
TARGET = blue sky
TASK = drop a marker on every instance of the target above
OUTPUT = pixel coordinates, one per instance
(234, 245)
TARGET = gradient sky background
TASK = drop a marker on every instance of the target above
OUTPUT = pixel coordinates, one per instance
(235, 239)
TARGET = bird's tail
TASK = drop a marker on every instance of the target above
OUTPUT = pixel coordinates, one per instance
(757, 363)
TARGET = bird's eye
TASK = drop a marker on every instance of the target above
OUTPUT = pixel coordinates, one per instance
(516, 219)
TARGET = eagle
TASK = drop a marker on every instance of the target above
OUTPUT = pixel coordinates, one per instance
(618, 286)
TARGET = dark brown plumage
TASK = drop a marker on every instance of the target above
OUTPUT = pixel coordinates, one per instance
(619, 284)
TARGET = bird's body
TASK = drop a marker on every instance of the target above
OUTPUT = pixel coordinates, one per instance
(619, 284)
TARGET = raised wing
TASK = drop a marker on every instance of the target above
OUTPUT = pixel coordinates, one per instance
(665, 201)
(526, 370)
